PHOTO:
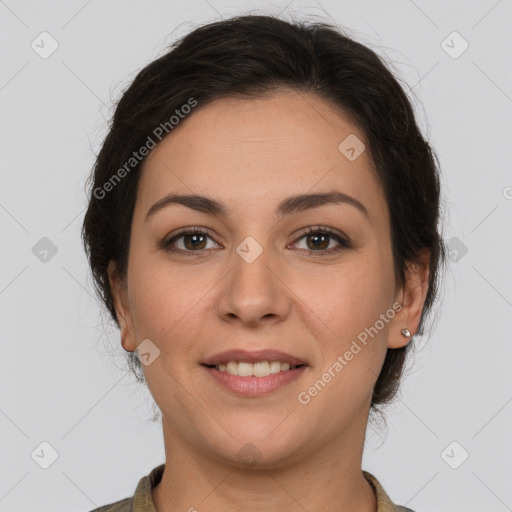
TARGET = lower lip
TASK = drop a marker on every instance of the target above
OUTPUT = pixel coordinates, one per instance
(254, 386)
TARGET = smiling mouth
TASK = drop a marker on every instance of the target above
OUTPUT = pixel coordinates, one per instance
(258, 369)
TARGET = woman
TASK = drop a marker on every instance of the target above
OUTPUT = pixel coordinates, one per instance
(263, 228)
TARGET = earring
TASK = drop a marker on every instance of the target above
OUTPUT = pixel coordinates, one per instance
(406, 333)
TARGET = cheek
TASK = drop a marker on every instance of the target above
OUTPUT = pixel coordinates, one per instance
(349, 299)
(349, 296)
(169, 303)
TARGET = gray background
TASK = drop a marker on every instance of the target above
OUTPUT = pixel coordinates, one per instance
(59, 383)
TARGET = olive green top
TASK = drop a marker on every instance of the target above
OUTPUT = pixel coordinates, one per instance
(142, 500)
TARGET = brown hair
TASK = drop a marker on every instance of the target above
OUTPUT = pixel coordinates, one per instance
(251, 56)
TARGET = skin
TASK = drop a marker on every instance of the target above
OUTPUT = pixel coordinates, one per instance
(250, 155)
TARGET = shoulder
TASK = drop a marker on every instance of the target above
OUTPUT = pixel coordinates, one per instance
(142, 500)
(125, 505)
(384, 502)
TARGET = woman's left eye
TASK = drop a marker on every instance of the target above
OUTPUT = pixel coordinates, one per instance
(318, 240)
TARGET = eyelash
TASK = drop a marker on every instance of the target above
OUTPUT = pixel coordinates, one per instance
(344, 242)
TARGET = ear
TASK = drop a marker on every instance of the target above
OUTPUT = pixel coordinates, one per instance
(412, 298)
(124, 317)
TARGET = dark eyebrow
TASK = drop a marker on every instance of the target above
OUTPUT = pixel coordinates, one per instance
(292, 204)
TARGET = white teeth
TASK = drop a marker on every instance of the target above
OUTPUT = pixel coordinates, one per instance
(275, 366)
(259, 369)
(245, 369)
(232, 368)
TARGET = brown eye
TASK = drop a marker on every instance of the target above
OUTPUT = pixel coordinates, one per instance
(188, 242)
(194, 241)
(319, 240)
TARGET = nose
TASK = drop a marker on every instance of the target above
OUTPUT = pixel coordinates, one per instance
(254, 291)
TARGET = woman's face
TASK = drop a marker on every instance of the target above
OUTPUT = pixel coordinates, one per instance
(254, 279)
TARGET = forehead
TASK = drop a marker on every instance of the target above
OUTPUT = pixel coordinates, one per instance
(249, 151)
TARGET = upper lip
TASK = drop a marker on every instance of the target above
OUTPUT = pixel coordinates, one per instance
(253, 357)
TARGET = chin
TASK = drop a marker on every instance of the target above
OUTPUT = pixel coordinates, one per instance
(260, 447)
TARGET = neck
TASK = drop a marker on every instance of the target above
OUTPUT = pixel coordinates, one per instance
(327, 478)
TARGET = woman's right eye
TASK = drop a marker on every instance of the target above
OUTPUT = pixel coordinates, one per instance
(191, 241)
